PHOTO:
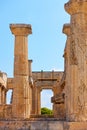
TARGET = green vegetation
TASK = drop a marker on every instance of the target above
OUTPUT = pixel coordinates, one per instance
(46, 111)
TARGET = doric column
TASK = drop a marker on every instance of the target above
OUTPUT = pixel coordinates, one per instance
(3, 95)
(78, 60)
(66, 30)
(32, 89)
(34, 100)
(21, 98)
(30, 73)
(39, 102)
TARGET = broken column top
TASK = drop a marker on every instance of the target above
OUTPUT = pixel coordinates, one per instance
(66, 29)
(76, 6)
(77, 0)
(21, 29)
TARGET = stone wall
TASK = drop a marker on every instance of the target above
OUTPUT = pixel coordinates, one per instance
(31, 125)
(5, 112)
(42, 125)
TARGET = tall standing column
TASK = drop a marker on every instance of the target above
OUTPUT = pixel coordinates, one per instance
(39, 101)
(66, 30)
(31, 84)
(78, 60)
(21, 98)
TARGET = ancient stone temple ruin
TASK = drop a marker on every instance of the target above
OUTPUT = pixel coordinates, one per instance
(69, 87)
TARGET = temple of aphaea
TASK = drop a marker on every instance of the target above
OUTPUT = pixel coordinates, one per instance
(69, 87)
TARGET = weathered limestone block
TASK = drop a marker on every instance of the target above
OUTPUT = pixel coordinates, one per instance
(59, 111)
(59, 106)
(31, 125)
(75, 126)
(58, 100)
(10, 83)
(8, 112)
(5, 112)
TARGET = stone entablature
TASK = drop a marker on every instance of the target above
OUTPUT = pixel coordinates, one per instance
(46, 75)
(46, 79)
(41, 78)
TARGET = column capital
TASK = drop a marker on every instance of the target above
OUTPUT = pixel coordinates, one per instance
(21, 29)
(66, 29)
(76, 6)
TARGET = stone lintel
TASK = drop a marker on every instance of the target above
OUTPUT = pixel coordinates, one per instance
(76, 6)
(21, 29)
(66, 29)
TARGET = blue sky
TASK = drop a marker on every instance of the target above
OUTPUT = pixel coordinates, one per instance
(46, 44)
